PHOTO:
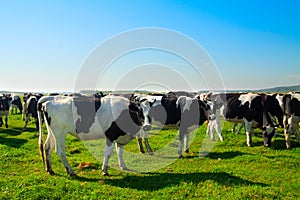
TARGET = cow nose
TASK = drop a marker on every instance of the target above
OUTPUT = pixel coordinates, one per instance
(211, 117)
(146, 127)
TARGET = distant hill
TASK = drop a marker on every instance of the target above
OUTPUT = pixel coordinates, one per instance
(282, 89)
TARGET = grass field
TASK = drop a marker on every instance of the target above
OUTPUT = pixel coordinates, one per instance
(230, 170)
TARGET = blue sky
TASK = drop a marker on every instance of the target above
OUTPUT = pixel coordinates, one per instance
(254, 44)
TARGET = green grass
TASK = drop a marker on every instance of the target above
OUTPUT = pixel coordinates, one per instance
(230, 170)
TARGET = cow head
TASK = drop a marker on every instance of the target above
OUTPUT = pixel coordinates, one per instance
(145, 104)
(136, 114)
(268, 132)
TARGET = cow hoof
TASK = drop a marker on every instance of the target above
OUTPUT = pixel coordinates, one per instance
(151, 153)
(187, 151)
(142, 152)
(73, 175)
(180, 156)
(24, 129)
(105, 174)
(288, 148)
(51, 172)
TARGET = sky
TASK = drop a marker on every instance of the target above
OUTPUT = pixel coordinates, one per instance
(44, 45)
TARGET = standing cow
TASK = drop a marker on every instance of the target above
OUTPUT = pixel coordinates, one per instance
(4, 108)
(30, 109)
(186, 112)
(248, 108)
(291, 107)
(88, 118)
(15, 103)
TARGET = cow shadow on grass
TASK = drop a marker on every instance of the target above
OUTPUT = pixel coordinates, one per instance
(225, 155)
(6, 137)
(157, 181)
(12, 142)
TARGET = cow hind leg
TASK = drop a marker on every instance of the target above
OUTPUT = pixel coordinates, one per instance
(61, 152)
(107, 153)
(120, 150)
(48, 149)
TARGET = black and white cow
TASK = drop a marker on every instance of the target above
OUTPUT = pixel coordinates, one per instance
(4, 109)
(88, 118)
(273, 102)
(248, 108)
(30, 108)
(15, 103)
(291, 107)
(169, 109)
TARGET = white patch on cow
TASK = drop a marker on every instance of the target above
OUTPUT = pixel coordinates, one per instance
(244, 98)
(280, 100)
(185, 102)
(296, 96)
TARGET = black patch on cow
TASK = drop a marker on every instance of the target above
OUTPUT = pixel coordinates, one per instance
(87, 108)
(32, 107)
(128, 122)
(47, 118)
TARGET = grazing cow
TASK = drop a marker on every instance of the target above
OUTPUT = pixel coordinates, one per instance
(291, 107)
(87, 118)
(186, 112)
(15, 103)
(248, 108)
(30, 108)
(4, 108)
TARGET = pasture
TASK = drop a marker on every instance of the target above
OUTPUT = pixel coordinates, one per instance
(230, 170)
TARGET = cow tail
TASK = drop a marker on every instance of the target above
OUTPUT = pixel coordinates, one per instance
(41, 144)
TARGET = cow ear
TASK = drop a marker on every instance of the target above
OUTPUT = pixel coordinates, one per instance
(181, 101)
(133, 107)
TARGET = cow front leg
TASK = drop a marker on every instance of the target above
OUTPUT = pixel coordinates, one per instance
(248, 127)
(107, 153)
(186, 142)
(181, 140)
(148, 147)
(140, 144)
(144, 135)
(6, 120)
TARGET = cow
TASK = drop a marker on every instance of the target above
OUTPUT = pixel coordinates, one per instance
(15, 103)
(4, 109)
(30, 109)
(186, 112)
(88, 118)
(273, 102)
(291, 107)
(248, 108)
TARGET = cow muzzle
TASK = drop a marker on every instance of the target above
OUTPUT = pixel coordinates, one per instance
(146, 127)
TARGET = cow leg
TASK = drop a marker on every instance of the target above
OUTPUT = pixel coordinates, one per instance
(48, 148)
(36, 123)
(107, 153)
(186, 142)
(287, 131)
(120, 150)
(248, 127)
(233, 127)
(61, 152)
(148, 147)
(140, 143)
(6, 119)
(181, 140)
(240, 125)
(26, 122)
(144, 135)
